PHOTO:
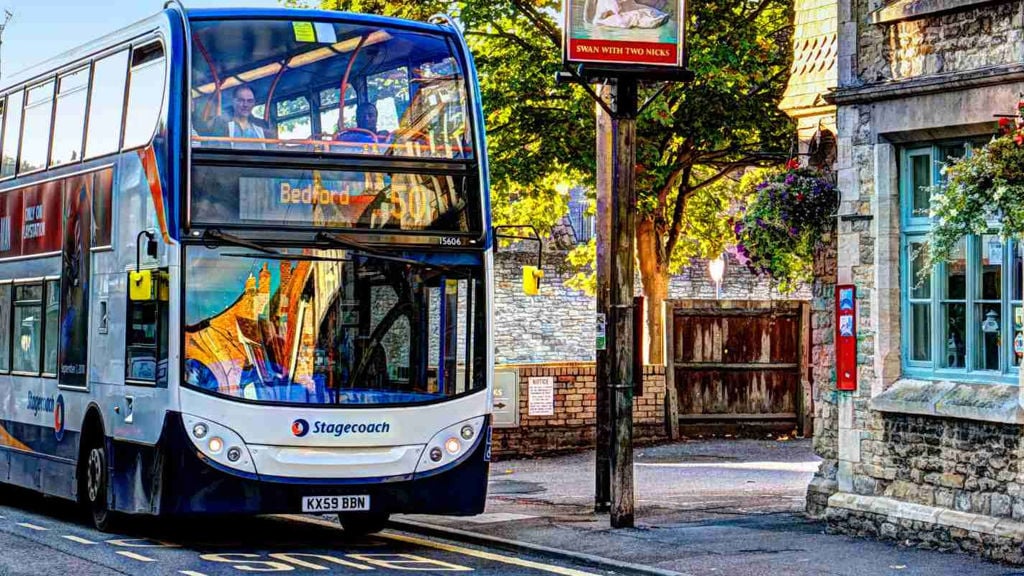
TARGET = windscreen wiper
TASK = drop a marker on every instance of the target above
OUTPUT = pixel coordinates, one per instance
(366, 251)
(220, 237)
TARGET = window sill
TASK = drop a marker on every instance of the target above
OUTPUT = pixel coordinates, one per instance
(946, 399)
(901, 10)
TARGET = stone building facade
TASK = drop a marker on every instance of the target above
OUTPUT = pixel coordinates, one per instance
(929, 449)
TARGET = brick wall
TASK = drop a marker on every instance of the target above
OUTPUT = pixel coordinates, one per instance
(573, 425)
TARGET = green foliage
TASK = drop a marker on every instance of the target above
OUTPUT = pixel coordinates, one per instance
(790, 215)
(583, 258)
(980, 190)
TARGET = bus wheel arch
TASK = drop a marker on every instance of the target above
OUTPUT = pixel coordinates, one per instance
(94, 470)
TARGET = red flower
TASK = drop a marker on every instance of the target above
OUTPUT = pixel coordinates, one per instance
(793, 164)
(1005, 122)
(800, 197)
(1019, 138)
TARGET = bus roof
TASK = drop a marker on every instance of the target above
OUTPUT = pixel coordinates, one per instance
(153, 22)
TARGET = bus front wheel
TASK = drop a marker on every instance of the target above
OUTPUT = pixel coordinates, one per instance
(96, 485)
(363, 524)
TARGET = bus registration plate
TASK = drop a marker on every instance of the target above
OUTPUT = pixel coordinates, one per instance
(335, 503)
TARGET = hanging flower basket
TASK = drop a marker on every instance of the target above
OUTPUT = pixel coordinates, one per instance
(984, 188)
(791, 214)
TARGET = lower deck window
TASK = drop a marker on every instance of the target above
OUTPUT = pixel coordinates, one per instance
(28, 327)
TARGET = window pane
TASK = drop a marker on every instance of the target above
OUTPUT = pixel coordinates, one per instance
(70, 121)
(52, 330)
(295, 128)
(920, 332)
(990, 282)
(291, 107)
(1018, 334)
(35, 138)
(921, 180)
(920, 275)
(1017, 270)
(28, 309)
(956, 273)
(106, 107)
(12, 131)
(954, 324)
(142, 341)
(5, 327)
(986, 354)
(145, 98)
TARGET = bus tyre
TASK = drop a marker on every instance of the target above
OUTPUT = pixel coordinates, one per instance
(95, 486)
(363, 524)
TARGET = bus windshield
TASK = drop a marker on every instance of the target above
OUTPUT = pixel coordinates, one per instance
(327, 87)
(331, 327)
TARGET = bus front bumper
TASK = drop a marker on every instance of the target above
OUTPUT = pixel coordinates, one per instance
(195, 485)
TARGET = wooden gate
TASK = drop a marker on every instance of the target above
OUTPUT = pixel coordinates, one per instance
(738, 365)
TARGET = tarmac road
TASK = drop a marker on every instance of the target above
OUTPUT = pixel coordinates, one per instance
(41, 537)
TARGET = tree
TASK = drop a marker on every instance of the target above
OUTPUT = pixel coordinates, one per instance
(691, 140)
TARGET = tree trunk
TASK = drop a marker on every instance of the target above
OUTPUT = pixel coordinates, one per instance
(655, 278)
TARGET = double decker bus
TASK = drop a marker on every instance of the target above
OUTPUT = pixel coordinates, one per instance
(245, 267)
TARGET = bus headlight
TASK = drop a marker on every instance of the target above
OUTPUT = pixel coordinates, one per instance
(451, 444)
(218, 443)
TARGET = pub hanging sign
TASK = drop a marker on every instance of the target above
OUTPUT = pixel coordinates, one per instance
(625, 33)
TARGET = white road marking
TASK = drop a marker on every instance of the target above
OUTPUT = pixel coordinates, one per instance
(135, 556)
(770, 466)
(190, 573)
(77, 539)
(32, 527)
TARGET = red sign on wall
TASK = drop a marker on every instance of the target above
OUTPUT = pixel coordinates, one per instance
(846, 337)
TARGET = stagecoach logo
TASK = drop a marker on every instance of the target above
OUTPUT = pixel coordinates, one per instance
(300, 428)
(58, 418)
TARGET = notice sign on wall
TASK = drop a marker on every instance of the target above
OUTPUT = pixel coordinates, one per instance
(625, 32)
(542, 396)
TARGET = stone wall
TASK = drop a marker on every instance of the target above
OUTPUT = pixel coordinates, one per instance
(573, 424)
(823, 379)
(930, 463)
(558, 324)
(894, 47)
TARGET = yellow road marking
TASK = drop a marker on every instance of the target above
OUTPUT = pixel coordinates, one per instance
(463, 551)
(135, 556)
(32, 527)
(486, 555)
(77, 539)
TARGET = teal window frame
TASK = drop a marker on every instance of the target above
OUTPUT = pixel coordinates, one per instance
(913, 231)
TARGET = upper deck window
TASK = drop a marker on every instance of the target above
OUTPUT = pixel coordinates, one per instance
(35, 137)
(276, 85)
(145, 94)
(106, 108)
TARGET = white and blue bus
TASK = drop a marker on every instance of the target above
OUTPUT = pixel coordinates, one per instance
(245, 267)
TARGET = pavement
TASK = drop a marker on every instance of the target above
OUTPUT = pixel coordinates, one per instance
(702, 507)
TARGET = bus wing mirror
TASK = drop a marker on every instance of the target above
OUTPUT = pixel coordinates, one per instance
(531, 274)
